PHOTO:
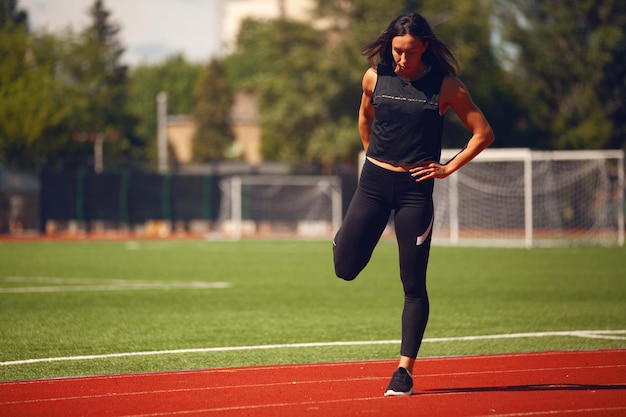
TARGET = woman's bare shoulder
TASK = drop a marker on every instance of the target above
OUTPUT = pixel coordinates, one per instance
(369, 79)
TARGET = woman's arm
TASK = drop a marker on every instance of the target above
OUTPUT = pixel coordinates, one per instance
(454, 94)
(366, 110)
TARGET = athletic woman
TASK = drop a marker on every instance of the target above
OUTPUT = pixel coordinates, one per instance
(410, 85)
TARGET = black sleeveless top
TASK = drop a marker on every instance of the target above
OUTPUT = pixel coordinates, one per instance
(407, 126)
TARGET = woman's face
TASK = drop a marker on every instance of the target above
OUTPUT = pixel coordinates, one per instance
(407, 52)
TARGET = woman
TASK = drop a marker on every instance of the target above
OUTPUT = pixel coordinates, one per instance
(410, 85)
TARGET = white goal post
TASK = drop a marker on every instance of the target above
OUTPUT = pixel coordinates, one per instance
(273, 205)
(513, 197)
(521, 197)
(518, 197)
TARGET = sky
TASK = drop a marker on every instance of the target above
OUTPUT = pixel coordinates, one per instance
(151, 30)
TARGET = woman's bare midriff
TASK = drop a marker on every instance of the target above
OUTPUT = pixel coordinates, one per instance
(388, 166)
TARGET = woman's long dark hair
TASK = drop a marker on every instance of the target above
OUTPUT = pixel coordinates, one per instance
(438, 54)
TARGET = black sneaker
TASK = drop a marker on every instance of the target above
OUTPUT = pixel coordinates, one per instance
(401, 383)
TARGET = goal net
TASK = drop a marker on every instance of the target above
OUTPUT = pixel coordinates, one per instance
(301, 206)
(519, 197)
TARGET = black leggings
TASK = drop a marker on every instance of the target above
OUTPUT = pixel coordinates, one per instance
(379, 192)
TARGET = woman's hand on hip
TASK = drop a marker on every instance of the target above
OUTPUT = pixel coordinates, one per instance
(427, 170)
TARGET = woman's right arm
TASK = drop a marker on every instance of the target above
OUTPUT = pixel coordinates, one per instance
(366, 110)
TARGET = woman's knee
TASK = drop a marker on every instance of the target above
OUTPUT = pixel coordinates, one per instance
(344, 275)
(345, 270)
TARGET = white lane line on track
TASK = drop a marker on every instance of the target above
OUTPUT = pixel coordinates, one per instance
(312, 403)
(592, 334)
(553, 412)
(311, 382)
(606, 334)
(92, 284)
(200, 350)
(207, 371)
(254, 407)
(213, 388)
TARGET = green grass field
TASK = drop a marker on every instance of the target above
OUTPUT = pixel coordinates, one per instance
(86, 298)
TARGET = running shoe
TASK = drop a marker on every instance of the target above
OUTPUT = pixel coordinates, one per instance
(401, 384)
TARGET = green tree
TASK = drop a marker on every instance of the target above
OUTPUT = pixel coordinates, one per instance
(178, 78)
(97, 88)
(30, 100)
(213, 104)
(569, 64)
(277, 59)
(11, 16)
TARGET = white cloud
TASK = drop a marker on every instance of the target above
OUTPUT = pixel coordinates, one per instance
(151, 30)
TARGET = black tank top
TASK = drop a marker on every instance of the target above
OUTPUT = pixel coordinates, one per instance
(407, 126)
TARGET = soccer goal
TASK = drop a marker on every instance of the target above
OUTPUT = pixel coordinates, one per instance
(520, 197)
(269, 205)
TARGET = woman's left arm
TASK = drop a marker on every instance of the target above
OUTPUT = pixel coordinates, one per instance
(455, 95)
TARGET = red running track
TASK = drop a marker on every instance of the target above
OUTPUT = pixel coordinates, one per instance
(580, 383)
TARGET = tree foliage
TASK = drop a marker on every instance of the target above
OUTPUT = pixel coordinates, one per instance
(30, 99)
(178, 78)
(546, 73)
(61, 92)
(279, 60)
(98, 85)
(569, 65)
(213, 104)
(11, 16)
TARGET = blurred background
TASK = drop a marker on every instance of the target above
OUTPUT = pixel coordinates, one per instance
(135, 116)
